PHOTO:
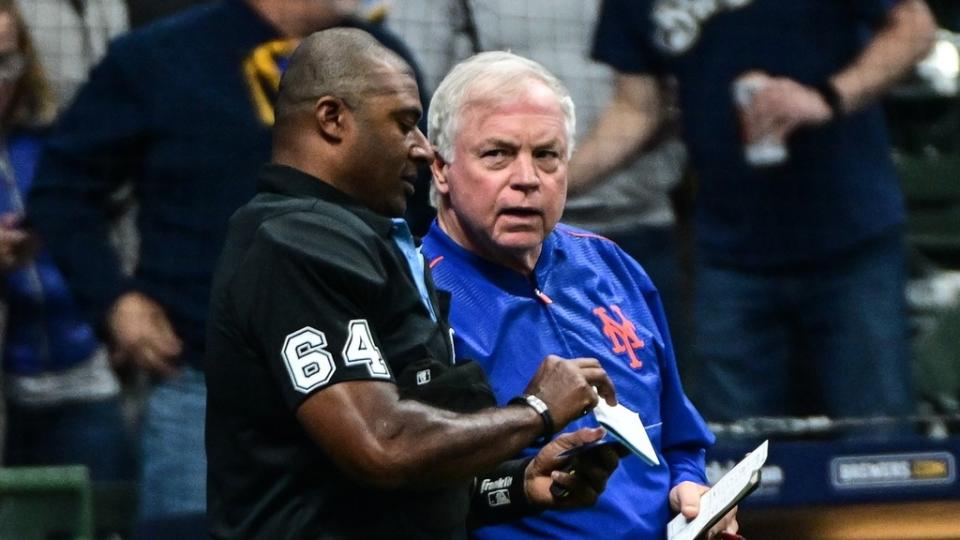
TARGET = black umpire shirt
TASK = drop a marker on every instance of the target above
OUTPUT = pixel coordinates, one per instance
(310, 291)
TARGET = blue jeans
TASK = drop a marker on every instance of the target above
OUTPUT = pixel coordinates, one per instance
(825, 338)
(173, 476)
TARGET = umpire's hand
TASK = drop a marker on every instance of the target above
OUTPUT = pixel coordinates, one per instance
(582, 485)
(569, 387)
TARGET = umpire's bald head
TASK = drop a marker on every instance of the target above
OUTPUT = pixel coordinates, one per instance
(347, 114)
(337, 62)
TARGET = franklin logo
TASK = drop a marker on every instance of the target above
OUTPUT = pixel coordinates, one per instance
(499, 483)
(622, 334)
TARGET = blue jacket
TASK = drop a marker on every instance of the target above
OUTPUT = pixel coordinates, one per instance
(585, 298)
(176, 106)
(45, 331)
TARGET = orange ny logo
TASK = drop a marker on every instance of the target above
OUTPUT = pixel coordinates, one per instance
(622, 335)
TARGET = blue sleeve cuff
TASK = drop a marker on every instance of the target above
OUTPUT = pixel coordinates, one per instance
(686, 465)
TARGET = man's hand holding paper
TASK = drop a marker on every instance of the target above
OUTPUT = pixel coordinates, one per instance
(685, 499)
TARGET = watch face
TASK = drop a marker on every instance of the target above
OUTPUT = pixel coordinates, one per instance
(537, 403)
(541, 408)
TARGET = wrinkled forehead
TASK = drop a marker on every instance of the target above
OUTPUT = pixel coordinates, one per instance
(533, 99)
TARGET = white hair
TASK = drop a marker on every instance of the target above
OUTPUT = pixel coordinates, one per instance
(499, 74)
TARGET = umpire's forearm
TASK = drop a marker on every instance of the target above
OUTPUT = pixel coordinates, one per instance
(392, 443)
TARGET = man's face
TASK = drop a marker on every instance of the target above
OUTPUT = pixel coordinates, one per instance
(506, 186)
(389, 146)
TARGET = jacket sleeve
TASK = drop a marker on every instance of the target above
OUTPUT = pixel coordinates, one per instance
(96, 147)
(684, 436)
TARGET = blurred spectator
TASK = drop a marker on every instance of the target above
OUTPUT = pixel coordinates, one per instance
(628, 203)
(184, 107)
(800, 275)
(71, 36)
(62, 396)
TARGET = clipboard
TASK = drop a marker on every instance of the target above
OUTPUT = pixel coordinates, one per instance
(735, 486)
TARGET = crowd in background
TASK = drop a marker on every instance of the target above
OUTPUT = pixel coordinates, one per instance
(161, 142)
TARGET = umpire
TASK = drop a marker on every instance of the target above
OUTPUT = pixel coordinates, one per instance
(336, 407)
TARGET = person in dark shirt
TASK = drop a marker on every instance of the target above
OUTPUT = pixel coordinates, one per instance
(62, 398)
(799, 275)
(337, 407)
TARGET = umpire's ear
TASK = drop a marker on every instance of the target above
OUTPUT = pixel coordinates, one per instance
(333, 118)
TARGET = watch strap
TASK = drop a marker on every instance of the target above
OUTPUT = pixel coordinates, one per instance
(538, 405)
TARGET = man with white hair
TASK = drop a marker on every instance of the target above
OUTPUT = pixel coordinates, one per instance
(503, 129)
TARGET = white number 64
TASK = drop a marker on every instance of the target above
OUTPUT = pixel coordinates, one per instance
(310, 365)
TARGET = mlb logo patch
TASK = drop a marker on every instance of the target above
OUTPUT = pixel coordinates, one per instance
(423, 377)
(499, 497)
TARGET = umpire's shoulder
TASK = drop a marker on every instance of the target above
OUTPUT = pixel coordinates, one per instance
(321, 233)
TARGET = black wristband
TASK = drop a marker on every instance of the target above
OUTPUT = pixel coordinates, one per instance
(538, 405)
(500, 495)
(831, 97)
